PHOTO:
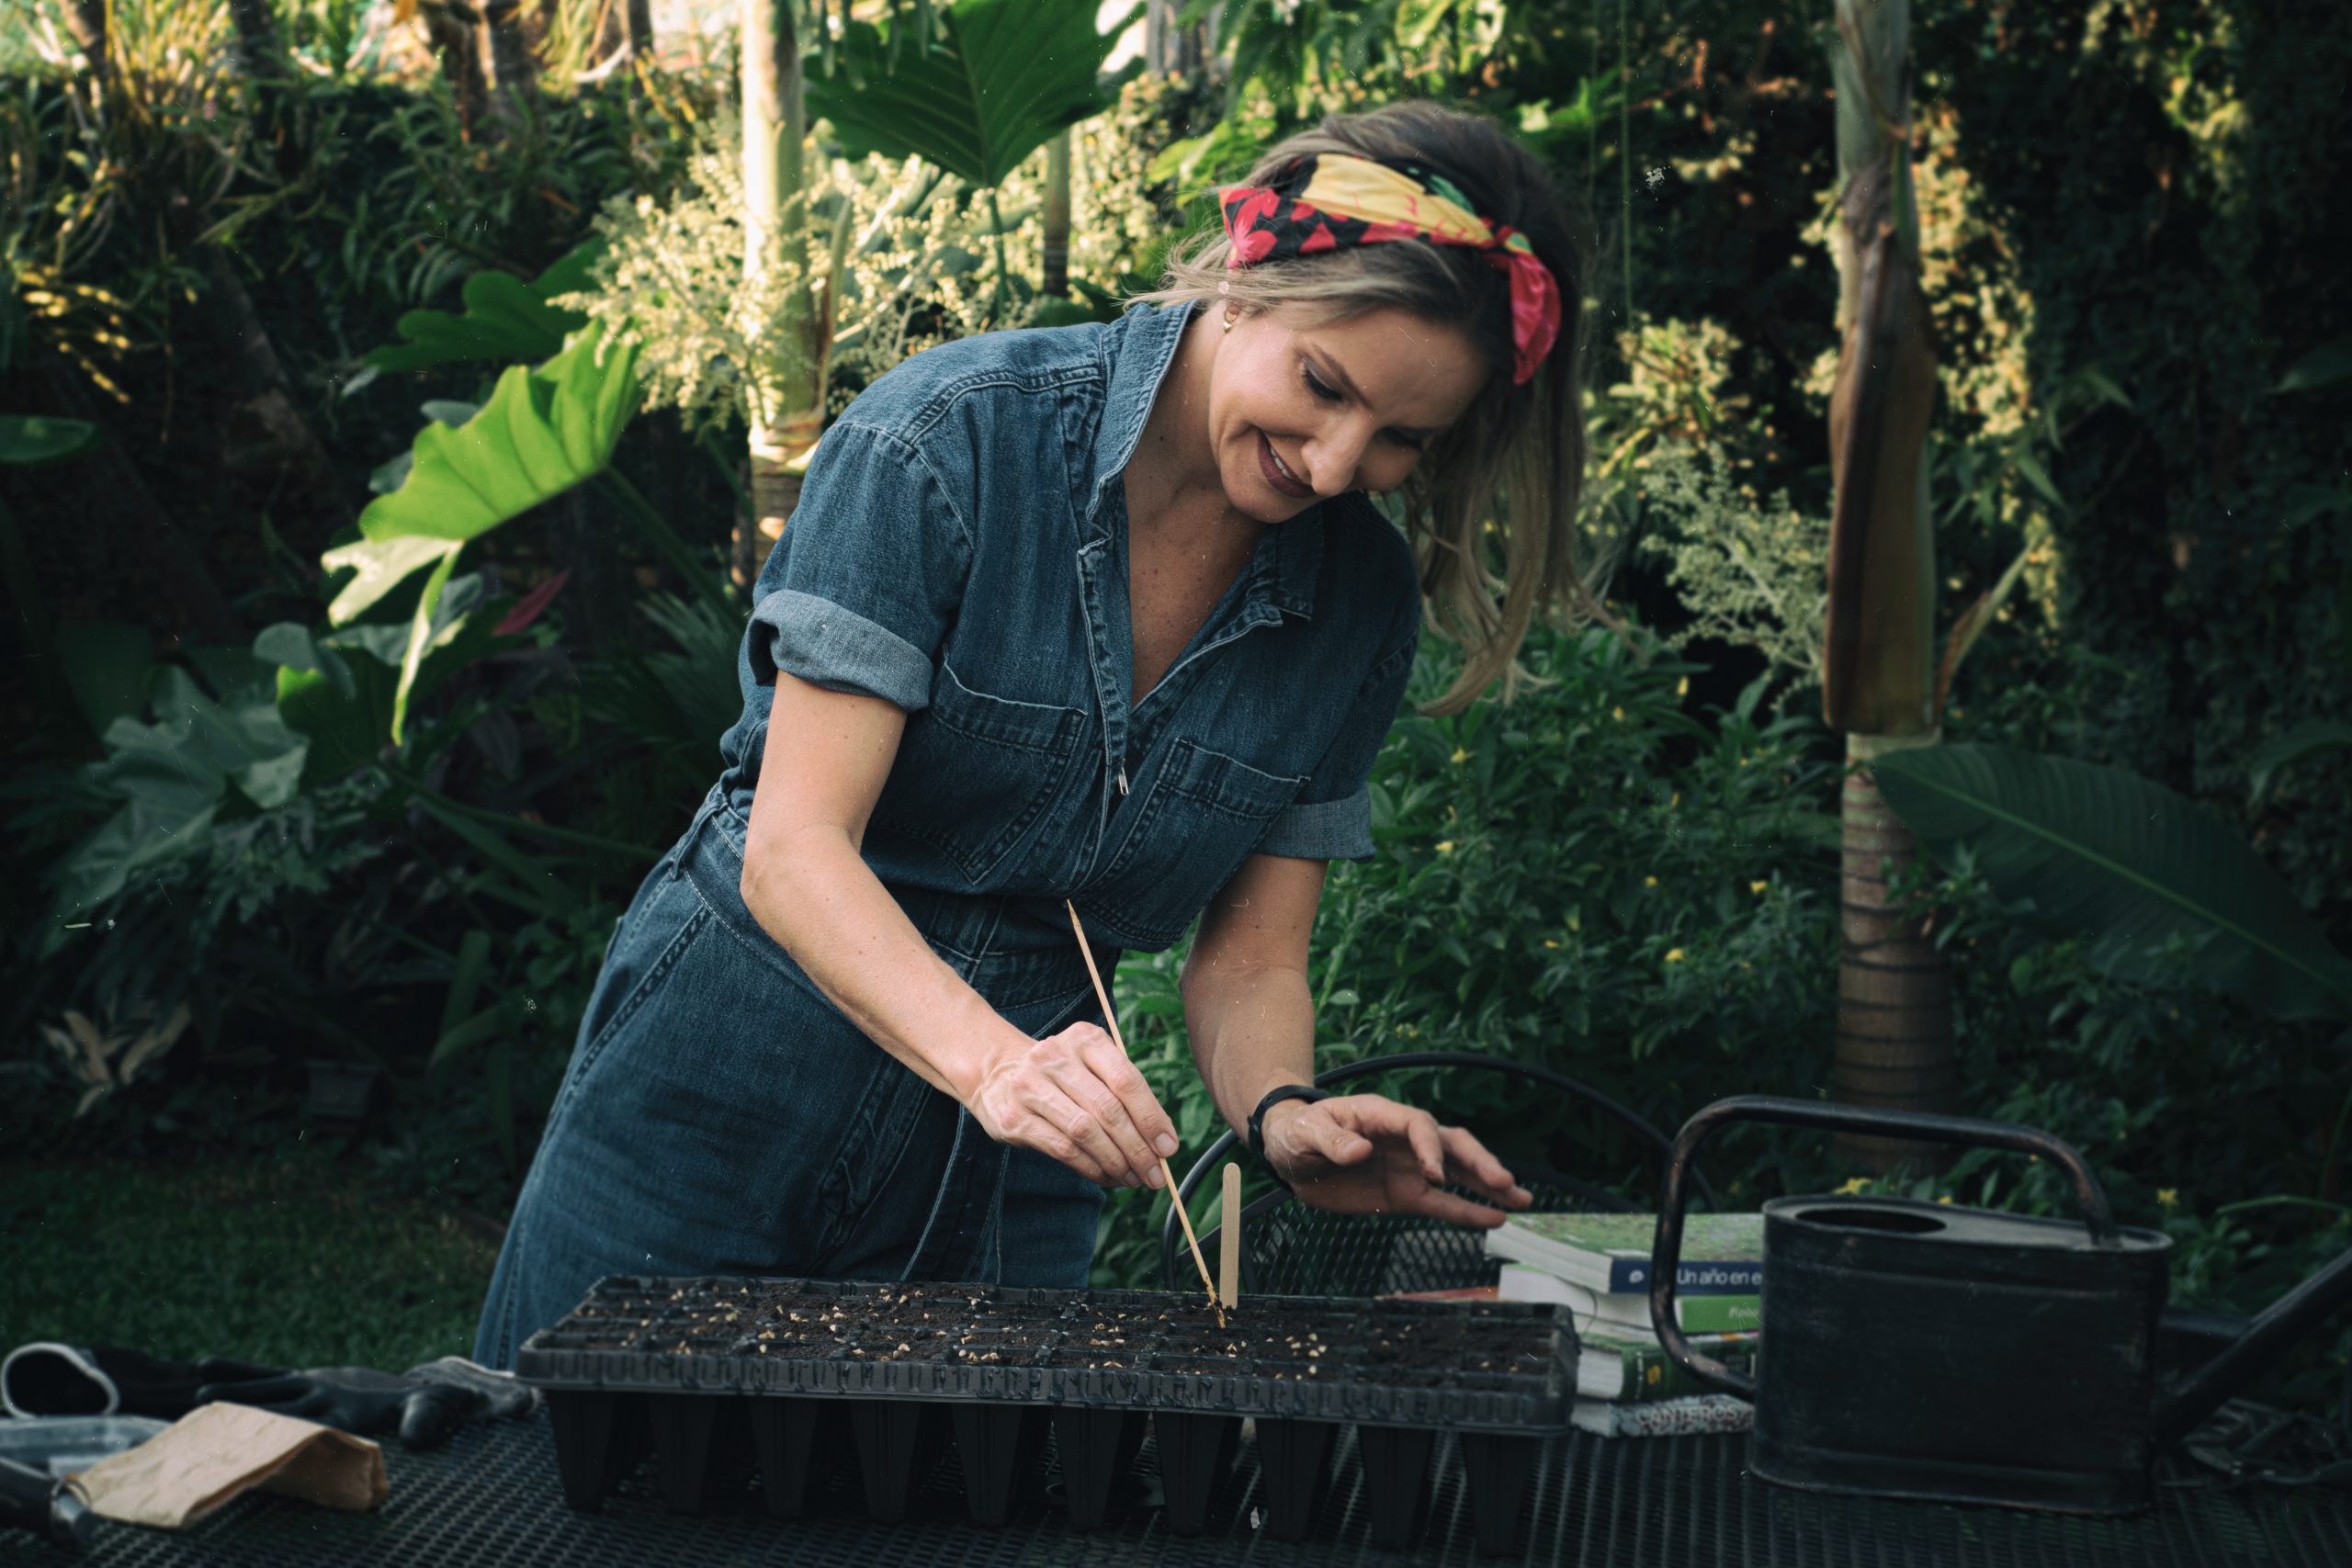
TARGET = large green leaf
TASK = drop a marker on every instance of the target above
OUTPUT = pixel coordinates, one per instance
(506, 320)
(2323, 367)
(337, 688)
(2306, 739)
(173, 777)
(2126, 863)
(105, 665)
(30, 440)
(543, 429)
(997, 79)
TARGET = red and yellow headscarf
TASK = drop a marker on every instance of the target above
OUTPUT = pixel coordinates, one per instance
(1331, 200)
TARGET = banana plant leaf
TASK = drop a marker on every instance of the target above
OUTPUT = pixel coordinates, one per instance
(543, 429)
(995, 81)
(506, 322)
(2128, 864)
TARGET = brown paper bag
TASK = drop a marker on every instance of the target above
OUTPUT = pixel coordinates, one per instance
(219, 1451)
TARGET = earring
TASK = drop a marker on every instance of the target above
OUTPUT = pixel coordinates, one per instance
(1230, 314)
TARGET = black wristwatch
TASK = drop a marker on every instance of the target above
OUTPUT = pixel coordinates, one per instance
(1274, 1097)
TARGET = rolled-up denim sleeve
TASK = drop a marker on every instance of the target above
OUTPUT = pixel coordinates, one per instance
(860, 591)
(1331, 818)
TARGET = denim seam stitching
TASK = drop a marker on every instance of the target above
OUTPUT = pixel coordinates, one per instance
(658, 971)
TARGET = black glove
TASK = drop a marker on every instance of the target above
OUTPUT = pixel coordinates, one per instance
(423, 1406)
(359, 1400)
(48, 1379)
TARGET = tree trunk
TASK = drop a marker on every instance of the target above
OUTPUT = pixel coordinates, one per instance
(256, 37)
(457, 39)
(512, 66)
(1057, 279)
(86, 20)
(1894, 986)
(788, 403)
(1893, 1045)
(623, 34)
(266, 431)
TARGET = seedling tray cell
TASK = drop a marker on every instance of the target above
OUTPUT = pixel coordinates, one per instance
(713, 1374)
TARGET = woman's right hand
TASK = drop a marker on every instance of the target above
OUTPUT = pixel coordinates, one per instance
(1075, 1097)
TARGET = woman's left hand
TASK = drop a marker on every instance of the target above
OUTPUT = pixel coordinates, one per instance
(1362, 1153)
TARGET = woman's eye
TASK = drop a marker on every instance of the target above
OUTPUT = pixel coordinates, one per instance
(1315, 384)
(1410, 442)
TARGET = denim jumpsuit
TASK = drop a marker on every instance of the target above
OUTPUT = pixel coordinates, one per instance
(959, 549)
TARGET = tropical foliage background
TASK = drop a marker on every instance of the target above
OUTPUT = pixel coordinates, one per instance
(393, 396)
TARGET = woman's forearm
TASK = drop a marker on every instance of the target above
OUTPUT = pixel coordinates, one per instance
(1252, 1029)
(809, 889)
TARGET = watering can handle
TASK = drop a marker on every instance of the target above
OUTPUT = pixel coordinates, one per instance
(1666, 1252)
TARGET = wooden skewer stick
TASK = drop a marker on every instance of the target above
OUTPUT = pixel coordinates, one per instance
(1229, 1240)
(1111, 1016)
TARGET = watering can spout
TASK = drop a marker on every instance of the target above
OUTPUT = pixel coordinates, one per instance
(2266, 1338)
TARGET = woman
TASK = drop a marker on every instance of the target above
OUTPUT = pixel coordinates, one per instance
(1102, 614)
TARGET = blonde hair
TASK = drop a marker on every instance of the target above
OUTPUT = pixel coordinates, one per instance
(1524, 445)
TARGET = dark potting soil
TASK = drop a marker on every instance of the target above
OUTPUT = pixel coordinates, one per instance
(664, 1364)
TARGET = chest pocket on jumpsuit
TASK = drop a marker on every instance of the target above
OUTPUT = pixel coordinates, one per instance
(1201, 817)
(975, 773)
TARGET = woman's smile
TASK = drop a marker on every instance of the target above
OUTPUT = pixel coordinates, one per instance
(1278, 473)
(1298, 412)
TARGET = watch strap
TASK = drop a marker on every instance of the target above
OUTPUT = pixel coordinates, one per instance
(1274, 1097)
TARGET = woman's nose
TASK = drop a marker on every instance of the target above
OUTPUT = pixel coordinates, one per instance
(1334, 456)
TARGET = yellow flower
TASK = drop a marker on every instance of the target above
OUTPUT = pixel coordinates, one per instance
(1617, 714)
(1945, 1199)
(1445, 846)
(1649, 882)
(1460, 756)
(1683, 687)
(2169, 1196)
(1757, 886)
(1853, 1186)
(1549, 942)
(1674, 955)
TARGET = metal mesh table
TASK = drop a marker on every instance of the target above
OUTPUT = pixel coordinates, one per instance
(491, 1497)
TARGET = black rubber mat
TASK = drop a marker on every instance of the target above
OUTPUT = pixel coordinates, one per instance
(492, 1498)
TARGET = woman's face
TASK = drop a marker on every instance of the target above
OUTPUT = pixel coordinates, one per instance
(1298, 414)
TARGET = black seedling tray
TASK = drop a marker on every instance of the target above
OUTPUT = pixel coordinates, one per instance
(906, 1368)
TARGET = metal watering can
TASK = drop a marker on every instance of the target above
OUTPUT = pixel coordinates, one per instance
(1920, 1349)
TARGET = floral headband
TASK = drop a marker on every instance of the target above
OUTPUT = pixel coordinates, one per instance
(1332, 200)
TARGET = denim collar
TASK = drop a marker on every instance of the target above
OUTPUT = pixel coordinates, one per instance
(1141, 347)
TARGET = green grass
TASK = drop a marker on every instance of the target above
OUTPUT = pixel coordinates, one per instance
(300, 1261)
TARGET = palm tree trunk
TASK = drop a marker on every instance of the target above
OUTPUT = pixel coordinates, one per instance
(512, 66)
(787, 405)
(1893, 1044)
(457, 39)
(1057, 279)
(86, 20)
(256, 36)
(1894, 1048)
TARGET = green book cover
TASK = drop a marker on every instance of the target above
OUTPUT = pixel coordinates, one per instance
(1634, 1368)
(1723, 1255)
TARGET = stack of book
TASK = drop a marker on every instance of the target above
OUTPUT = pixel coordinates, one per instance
(1598, 1265)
